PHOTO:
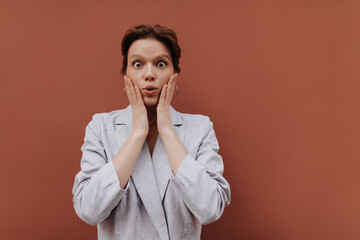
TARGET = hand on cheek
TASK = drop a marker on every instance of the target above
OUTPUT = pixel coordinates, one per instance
(163, 109)
(140, 120)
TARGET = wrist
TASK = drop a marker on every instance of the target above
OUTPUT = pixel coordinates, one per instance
(138, 135)
(167, 132)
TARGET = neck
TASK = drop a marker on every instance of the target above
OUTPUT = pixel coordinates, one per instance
(151, 113)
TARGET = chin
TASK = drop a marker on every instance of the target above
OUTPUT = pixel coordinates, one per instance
(151, 102)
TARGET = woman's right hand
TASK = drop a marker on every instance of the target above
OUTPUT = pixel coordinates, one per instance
(140, 120)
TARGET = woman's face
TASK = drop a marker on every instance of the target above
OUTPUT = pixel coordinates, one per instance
(149, 67)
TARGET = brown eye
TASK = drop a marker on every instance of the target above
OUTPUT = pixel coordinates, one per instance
(161, 64)
(137, 64)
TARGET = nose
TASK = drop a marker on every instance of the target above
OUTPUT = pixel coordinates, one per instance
(149, 75)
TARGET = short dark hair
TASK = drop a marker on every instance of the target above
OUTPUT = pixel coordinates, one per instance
(165, 35)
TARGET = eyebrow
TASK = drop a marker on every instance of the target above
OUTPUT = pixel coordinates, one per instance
(161, 55)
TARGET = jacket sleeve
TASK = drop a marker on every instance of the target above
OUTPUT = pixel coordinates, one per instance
(96, 190)
(200, 182)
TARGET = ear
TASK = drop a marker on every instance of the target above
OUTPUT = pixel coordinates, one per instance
(175, 75)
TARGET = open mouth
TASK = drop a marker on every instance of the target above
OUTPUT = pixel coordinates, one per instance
(149, 91)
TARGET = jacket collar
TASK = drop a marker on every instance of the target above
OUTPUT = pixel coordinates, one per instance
(126, 117)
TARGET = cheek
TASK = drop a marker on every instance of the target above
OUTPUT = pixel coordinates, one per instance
(166, 79)
(137, 84)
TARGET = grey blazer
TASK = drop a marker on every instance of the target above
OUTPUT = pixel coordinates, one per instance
(155, 204)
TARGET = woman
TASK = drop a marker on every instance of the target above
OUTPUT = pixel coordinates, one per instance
(148, 171)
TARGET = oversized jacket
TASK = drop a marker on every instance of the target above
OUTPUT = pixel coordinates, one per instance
(155, 203)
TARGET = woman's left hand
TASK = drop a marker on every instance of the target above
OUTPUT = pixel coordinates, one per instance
(163, 108)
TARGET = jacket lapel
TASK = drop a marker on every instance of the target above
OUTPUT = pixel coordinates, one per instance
(161, 162)
(145, 182)
(150, 176)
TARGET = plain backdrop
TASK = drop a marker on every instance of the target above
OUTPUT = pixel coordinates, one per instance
(279, 79)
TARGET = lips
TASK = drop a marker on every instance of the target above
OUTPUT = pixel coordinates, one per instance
(150, 87)
(149, 90)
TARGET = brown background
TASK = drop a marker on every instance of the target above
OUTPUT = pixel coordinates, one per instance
(279, 79)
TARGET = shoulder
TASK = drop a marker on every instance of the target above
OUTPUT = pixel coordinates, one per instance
(118, 116)
(199, 129)
(111, 118)
(177, 116)
(196, 121)
(195, 118)
(108, 116)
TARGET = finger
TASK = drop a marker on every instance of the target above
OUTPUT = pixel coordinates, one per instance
(168, 84)
(130, 92)
(139, 96)
(125, 91)
(173, 86)
(162, 95)
(170, 91)
(127, 88)
(132, 89)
